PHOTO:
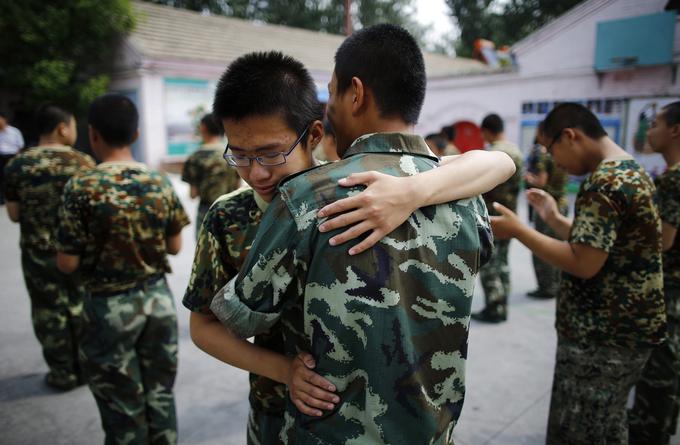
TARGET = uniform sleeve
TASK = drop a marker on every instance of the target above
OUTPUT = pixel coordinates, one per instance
(597, 221)
(177, 217)
(668, 194)
(270, 278)
(12, 178)
(189, 171)
(72, 234)
(209, 272)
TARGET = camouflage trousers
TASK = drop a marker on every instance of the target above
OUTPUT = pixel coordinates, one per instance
(653, 419)
(200, 216)
(548, 277)
(589, 394)
(495, 277)
(264, 427)
(129, 356)
(56, 309)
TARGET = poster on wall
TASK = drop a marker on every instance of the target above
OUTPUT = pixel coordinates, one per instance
(186, 101)
(641, 113)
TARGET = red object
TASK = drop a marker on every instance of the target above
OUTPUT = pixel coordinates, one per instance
(468, 136)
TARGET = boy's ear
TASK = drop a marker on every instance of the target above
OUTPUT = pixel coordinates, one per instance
(675, 131)
(135, 137)
(315, 134)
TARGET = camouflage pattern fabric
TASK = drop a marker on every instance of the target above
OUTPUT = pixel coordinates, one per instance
(548, 277)
(117, 217)
(590, 390)
(506, 193)
(207, 170)
(557, 178)
(495, 279)
(129, 356)
(224, 241)
(35, 179)
(388, 327)
(623, 304)
(56, 310)
(653, 418)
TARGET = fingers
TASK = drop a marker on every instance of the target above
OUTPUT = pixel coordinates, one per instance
(502, 209)
(307, 359)
(306, 409)
(343, 220)
(339, 206)
(351, 233)
(369, 242)
(364, 178)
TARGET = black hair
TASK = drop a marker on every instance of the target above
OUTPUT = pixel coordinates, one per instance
(671, 113)
(572, 115)
(3, 114)
(328, 127)
(48, 116)
(439, 140)
(116, 119)
(389, 62)
(212, 125)
(449, 132)
(268, 83)
(493, 123)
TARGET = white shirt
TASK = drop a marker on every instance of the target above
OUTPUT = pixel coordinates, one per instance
(11, 141)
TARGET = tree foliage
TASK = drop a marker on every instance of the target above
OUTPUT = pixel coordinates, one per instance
(503, 23)
(60, 50)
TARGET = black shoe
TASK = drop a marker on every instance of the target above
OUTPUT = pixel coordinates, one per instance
(488, 316)
(61, 385)
(539, 295)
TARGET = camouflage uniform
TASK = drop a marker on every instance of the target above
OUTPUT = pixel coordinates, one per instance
(207, 170)
(607, 324)
(653, 418)
(547, 276)
(117, 218)
(495, 276)
(35, 179)
(389, 326)
(224, 241)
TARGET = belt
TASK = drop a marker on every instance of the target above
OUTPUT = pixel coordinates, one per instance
(141, 286)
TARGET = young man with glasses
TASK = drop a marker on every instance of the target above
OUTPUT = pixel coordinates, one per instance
(273, 121)
(610, 309)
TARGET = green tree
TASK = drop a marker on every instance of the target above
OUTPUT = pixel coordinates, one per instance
(505, 23)
(60, 50)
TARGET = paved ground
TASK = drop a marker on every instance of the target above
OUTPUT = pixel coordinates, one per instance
(509, 370)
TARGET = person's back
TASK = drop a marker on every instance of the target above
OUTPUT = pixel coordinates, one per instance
(389, 326)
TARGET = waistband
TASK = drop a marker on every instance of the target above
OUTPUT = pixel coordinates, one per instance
(141, 286)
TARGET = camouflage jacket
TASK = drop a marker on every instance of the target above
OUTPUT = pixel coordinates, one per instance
(506, 193)
(388, 327)
(207, 170)
(224, 241)
(117, 217)
(668, 199)
(622, 305)
(557, 178)
(35, 179)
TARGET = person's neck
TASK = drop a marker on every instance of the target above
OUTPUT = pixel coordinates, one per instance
(496, 138)
(386, 126)
(211, 141)
(50, 141)
(672, 155)
(605, 148)
(119, 154)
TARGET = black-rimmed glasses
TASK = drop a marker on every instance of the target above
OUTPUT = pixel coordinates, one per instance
(557, 137)
(266, 160)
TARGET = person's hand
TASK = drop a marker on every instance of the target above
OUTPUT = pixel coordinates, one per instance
(382, 207)
(531, 179)
(543, 203)
(507, 224)
(308, 390)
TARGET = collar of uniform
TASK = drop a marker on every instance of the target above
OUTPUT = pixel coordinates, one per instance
(390, 143)
(217, 146)
(131, 163)
(261, 203)
(54, 147)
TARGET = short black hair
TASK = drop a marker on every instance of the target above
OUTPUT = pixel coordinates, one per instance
(671, 113)
(572, 115)
(389, 62)
(3, 114)
(265, 84)
(449, 132)
(115, 117)
(493, 123)
(439, 140)
(210, 123)
(48, 116)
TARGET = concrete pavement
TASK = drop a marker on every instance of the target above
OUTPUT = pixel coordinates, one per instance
(509, 370)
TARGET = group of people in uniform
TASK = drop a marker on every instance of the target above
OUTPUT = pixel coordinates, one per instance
(355, 277)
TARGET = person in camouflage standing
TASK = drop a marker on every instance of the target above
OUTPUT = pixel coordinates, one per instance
(388, 326)
(118, 222)
(654, 416)
(274, 122)
(548, 176)
(206, 172)
(495, 276)
(610, 309)
(35, 179)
